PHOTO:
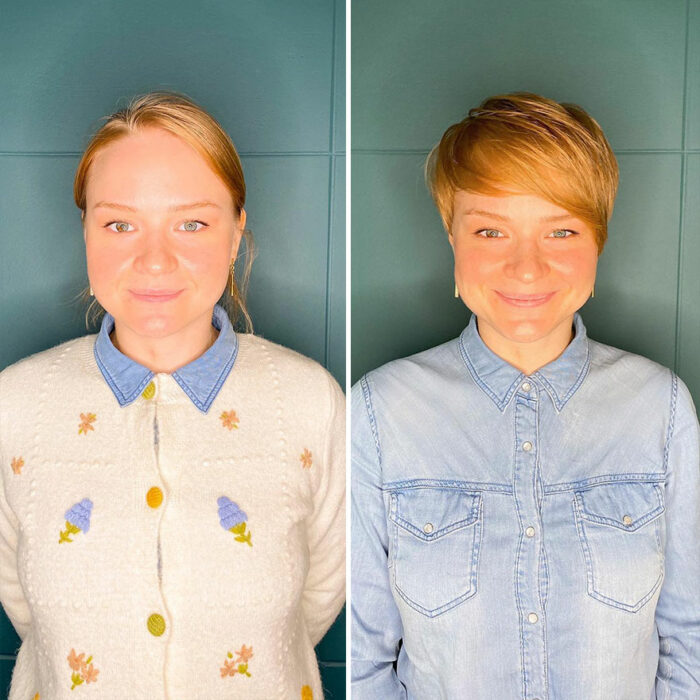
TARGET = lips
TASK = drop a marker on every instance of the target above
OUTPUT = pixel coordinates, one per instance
(525, 300)
(155, 295)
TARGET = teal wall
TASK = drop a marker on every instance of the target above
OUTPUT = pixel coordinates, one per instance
(271, 71)
(633, 64)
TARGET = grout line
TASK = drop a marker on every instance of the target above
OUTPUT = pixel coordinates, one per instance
(682, 198)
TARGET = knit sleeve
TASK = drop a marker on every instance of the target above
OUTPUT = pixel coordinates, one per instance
(11, 593)
(324, 591)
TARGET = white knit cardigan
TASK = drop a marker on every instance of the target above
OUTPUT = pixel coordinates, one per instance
(154, 551)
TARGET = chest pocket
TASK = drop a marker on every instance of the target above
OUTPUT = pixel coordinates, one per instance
(619, 527)
(435, 543)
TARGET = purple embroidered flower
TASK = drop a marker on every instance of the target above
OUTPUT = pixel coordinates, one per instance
(79, 514)
(233, 519)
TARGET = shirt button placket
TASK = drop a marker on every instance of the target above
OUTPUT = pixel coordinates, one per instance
(526, 412)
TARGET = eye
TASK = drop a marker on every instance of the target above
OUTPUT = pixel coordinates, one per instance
(192, 226)
(489, 233)
(562, 233)
(121, 226)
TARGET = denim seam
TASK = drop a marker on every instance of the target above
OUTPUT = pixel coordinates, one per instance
(447, 484)
(612, 522)
(581, 484)
(367, 395)
(121, 397)
(671, 420)
(560, 403)
(438, 534)
(516, 568)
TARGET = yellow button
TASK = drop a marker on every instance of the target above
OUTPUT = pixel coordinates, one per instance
(154, 497)
(150, 391)
(156, 624)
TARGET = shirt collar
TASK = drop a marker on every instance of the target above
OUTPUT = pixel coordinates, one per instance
(201, 379)
(500, 380)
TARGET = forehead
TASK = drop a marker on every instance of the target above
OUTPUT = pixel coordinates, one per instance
(508, 206)
(152, 168)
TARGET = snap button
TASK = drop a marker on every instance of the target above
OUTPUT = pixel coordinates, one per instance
(156, 624)
(530, 531)
(150, 391)
(526, 386)
(532, 617)
(627, 520)
(154, 497)
(428, 528)
(527, 446)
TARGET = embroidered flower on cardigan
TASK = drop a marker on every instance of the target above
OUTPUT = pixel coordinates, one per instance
(86, 421)
(229, 419)
(306, 693)
(77, 519)
(84, 671)
(36, 697)
(17, 464)
(233, 519)
(305, 458)
(239, 664)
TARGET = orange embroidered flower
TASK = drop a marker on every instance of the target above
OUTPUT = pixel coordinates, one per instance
(228, 669)
(83, 670)
(306, 693)
(244, 655)
(305, 458)
(17, 464)
(229, 419)
(86, 420)
(90, 674)
(75, 661)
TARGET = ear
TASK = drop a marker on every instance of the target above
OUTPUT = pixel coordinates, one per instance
(82, 219)
(451, 240)
(238, 234)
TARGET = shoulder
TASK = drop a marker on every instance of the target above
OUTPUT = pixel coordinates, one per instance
(299, 377)
(415, 374)
(36, 368)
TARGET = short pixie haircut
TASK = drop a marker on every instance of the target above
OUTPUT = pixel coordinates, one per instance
(522, 143)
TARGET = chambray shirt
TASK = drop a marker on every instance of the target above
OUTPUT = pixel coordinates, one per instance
(200, 379)
(532, 537)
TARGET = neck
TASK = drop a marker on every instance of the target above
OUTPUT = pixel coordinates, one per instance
(531, 356)
(169, 353)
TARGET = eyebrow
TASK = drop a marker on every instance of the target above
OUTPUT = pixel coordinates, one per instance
(501, 217)
(177, 207)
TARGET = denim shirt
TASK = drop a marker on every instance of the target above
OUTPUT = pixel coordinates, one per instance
(532, 537)
(200, 379)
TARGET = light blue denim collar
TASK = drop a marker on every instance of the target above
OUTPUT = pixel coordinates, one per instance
(201, 379)
(500, 380)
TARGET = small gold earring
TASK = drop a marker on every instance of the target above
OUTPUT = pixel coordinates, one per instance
(456, 291)
(233, 281)
(593, 292)
(92, 294)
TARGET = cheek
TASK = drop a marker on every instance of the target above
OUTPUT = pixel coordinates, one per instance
(579, 265)
(104, 261)
(474, 265)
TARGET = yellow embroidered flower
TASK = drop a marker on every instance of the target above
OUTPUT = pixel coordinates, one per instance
(17, 464)
(86, 420)
(229, 419)
(305, 458)
(306, 693)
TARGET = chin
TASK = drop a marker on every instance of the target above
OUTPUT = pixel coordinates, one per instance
(526, 331)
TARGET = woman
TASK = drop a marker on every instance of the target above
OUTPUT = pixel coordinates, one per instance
(172, 514)
(526, 501)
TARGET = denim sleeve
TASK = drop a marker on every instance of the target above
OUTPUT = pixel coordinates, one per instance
(678, 608)
(376, 624)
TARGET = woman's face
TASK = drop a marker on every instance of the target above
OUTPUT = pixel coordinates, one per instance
(160, 233)
(522, 264)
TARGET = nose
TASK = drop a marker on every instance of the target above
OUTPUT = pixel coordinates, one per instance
(156, 256)
(526, 263)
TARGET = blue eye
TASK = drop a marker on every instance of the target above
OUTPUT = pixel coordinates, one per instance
(562, 233)
(489, 233)
(120, 226)
(192, 226)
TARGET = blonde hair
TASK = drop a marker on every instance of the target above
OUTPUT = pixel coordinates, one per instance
(527, 144)
(179, 115)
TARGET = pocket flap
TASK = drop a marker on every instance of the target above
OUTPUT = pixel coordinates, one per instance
(429, 513)
(627, 505)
